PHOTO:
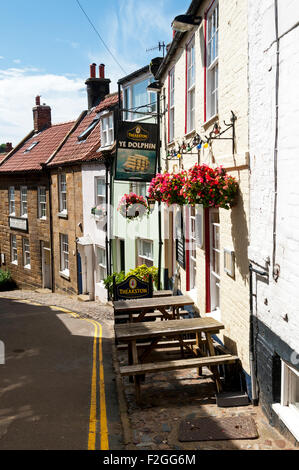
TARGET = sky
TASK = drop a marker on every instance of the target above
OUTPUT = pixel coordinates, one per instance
(46, 48)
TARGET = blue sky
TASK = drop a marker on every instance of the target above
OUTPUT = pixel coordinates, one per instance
(46, 48)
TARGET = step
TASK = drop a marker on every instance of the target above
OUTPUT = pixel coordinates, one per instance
(140, 369)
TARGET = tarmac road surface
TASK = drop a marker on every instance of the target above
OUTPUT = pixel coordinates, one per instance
(57, 386)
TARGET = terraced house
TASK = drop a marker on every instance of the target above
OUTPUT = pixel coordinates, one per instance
(205, 121)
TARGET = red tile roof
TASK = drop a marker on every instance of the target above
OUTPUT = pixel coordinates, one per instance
(48, 141)
(86, 150)
(2, 156)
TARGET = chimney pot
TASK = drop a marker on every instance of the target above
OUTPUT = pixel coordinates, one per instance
(93, 70)
(41, 116)
(37, 100)
(102, 71)
(8, 146)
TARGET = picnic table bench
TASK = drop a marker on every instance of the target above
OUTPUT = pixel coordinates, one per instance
(203, 351)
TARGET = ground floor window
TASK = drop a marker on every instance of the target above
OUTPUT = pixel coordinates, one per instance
(26, 253)
(14, 249)
(101, 264)
(64, 254)
(145, 253)
(215, 259)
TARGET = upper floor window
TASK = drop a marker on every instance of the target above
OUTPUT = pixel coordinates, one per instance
(139, 188)
(171, 106)
(24, 205)
(190, 87)
(42, 202)
(100, 191)
(62, 193)
(11, 200)
(138, 99)
(107, 135)
(212, 61)
(64, 254)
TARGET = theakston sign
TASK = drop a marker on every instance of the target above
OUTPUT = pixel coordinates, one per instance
(136, 151)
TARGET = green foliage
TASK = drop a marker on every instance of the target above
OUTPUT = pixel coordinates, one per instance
(142, 272)
(6, 282)
(2, 148)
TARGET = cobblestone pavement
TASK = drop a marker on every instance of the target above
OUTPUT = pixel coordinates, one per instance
(92, 309)
(168, 397)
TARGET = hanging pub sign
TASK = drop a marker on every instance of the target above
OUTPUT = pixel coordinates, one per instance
(136, 151)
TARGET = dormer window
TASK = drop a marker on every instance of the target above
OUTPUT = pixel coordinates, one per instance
(31, 146)
(107, 130)
(85, 134)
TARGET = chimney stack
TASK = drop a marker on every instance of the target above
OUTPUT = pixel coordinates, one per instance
(97, 88)
(41, 116)
(8, 147)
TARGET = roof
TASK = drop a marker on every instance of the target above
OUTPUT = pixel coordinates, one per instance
(133, 75)
(193, 7)
(75, 150)
(2, 156)
(48, 140)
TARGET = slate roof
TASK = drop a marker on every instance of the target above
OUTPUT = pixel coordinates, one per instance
(86, 150)
(48, 141)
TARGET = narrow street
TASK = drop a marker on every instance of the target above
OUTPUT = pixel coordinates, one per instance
(57, 387)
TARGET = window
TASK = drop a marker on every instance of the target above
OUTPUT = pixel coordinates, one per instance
(83, 136)
(137, 96)
(14, 249)
(26, 253)
(107, 135)
(190, 87)
(24, 206)
(100, 191)
(171, 106)
(145, 253)
(192, 249)
(11, 200)
(62, 193)
(215, 259)
(101, 264)
(64, 254)
(42, 202)
(212, 61)
(140, 189)
(288, 408)
(31, 147)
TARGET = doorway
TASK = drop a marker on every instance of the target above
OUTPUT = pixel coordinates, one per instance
(46, 265)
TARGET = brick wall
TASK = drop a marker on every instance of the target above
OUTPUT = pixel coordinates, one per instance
(38, 230)
(68, 225)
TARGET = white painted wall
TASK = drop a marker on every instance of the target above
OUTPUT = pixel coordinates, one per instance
(282, 296)
(92, 227)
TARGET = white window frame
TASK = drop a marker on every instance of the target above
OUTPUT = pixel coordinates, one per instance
(12, 201)
(142, 256)
(42, 202)
(151, 105)
(191, 70)
(26, 253)
(141, 189)
(62, 193)
(64, 255)
(212, 64)
(286, 410)
(107, 130)
(13, 249)
(101, 264)
(24, 201)
(171, 104)
(215, 277)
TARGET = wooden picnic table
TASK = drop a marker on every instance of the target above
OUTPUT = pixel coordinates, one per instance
(148, 305)
(203, 352)
(162, 293)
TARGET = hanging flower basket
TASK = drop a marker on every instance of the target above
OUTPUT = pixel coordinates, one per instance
(132, 206)
(211, 187)
(168, 188)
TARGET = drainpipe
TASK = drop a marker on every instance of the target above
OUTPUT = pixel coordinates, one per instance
(252, 358)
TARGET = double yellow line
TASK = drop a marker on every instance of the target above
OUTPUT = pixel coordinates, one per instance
(96, 379)
(97, 383)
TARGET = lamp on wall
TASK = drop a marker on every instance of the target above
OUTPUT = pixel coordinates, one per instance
(184, 23)
(154, 87)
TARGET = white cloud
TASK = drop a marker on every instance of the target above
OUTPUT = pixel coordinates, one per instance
(16, 61)
(18, 89)
(1, 57)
